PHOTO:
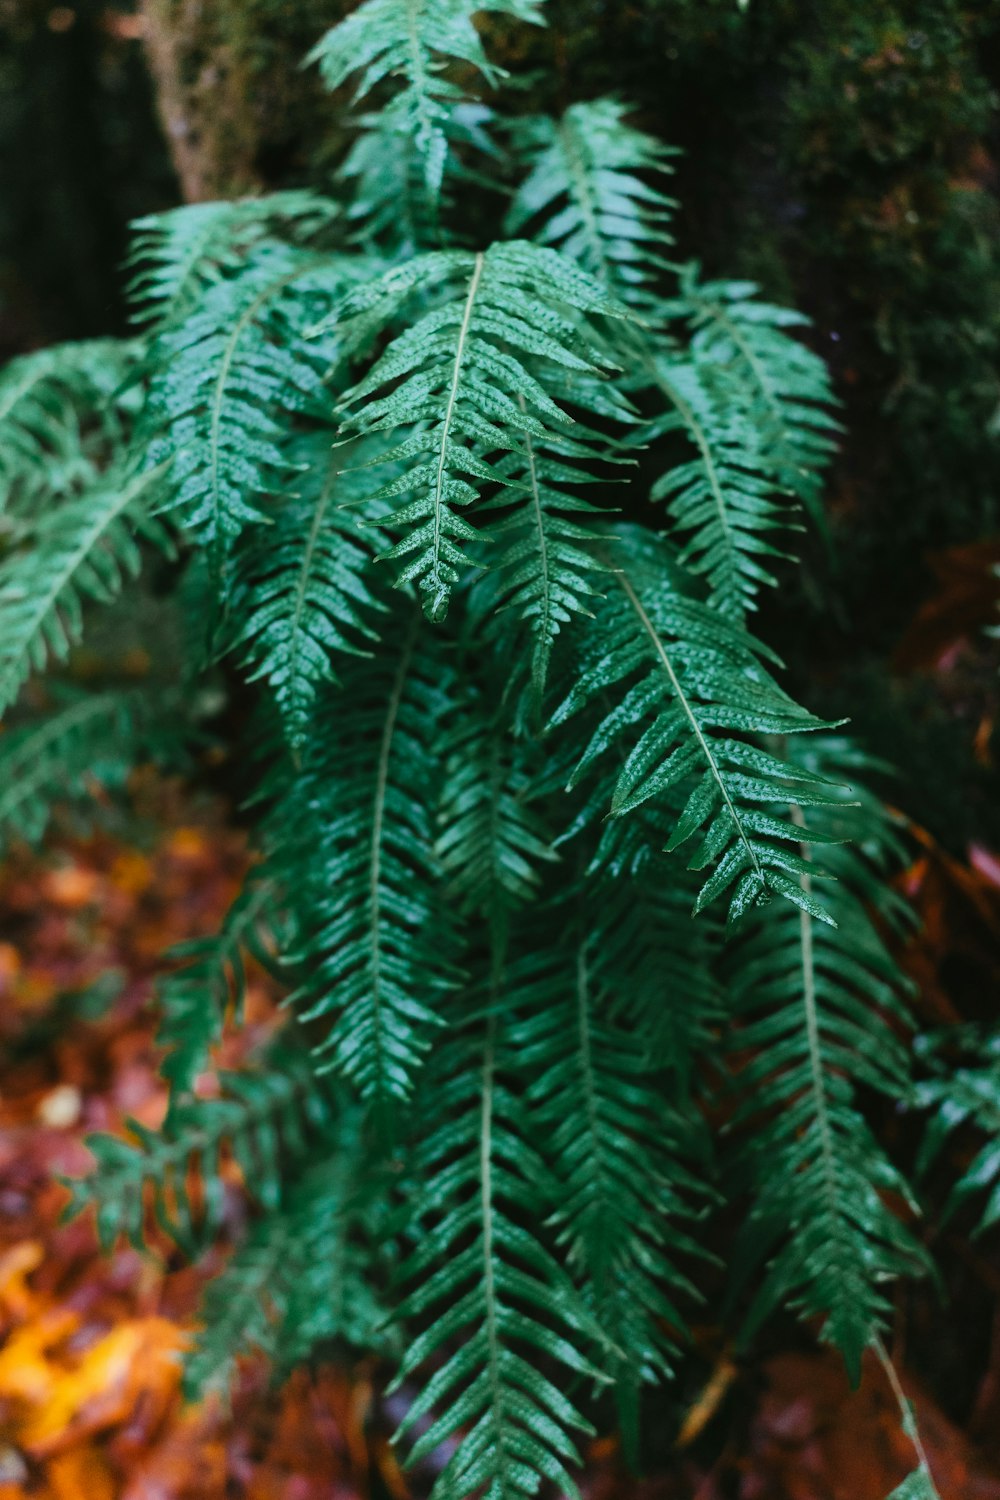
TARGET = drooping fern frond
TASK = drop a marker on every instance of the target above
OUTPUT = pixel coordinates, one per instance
(302, 1277)
(492, 841)
(229, 380)
(675, 683)
(655, 966)
(413, 44)
(782, 385)
(354, 849)
(82, 551)
(303, 593)
(818, 1007)
(59, 424)
(88, 740)
(548, 569)
(194, 998)
(173, 256)
(963, 1096)
(265, 1119)
(592, 194)
(468, 378)
(722, 500)
(626, 1195)
(492, 1299)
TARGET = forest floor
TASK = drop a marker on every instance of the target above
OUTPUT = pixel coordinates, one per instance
(90, 1399)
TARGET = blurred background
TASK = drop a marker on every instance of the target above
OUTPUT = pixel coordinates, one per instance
(843, 154)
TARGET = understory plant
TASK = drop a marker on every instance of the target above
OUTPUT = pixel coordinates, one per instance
(454, 497)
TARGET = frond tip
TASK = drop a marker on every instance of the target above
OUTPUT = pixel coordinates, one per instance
(688, 682)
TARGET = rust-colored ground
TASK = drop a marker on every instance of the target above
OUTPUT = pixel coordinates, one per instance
(90, 1406)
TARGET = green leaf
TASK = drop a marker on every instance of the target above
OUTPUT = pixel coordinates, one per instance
(468, 379)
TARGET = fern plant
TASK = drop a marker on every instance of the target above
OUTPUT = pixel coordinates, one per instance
(555, 869)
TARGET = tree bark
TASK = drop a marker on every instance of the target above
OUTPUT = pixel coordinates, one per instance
(198, 54)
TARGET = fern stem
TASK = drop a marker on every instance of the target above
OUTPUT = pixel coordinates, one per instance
(422, 93)
(706, 748)
(463, 334)
(812, 1030)
(486, 1211)
(378, 822)
(543, 543)
(229, 354)
(906, 1412)
(585, 198)
(305, 567)
(730, 606)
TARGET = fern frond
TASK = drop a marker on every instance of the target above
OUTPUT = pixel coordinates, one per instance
(82, 551)
(228, 382)
(818, 1005)
(302, 1277)
(917, 1486)
(263, 1118)
(722, 502)
(492, 839)
(88, 739)
(303, 594)
(354, 850)
(492, 1299)
(962, 1096)
(413, 44)
(656, 967)
(174, 256)
(59, 423)
(683, 683)
(626, 1196)
(591, 194)
(195, 998)
(783, 386)
(548, 570)
(463, 376)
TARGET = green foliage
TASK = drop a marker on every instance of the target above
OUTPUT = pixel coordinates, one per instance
(617, 1150)
(468, 819)
(496, 1298)
(304, 595)
(598, 209)
(228, 380)
(962, 1096)
(817, 1004)
(688, 681)
(917, 1486)
(470, 374)
(300, 1278)
(84, 550)
(354, 841)
(415, 43)
(265, 1119)
(781, 388)
(194, 998)
(61, 417)
(50, 757)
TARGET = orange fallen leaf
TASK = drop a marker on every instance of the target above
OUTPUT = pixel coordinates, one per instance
(136, 1359)
(80, 1474)
(72, 886)
(16, 1266)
